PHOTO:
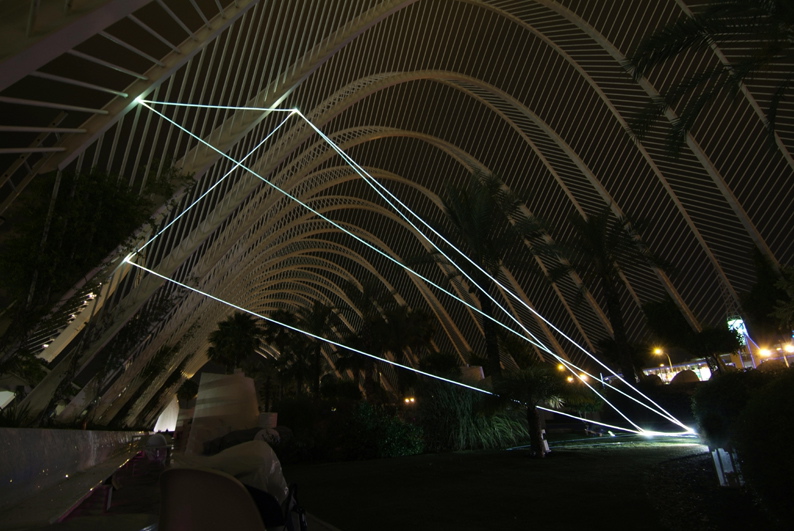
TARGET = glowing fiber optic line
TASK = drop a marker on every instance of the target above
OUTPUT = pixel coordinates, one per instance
(532, 339)
(602, 397)
(540, 345)
(309, 334)
(377, 186)
(333, 223)
(211, 188)
(357, 351)
(220, 107)
(661, 412)
(588, 420)
(370, 180)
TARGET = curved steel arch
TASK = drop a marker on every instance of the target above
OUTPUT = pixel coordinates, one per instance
(375, 133)
(362, 88)
(371, 59)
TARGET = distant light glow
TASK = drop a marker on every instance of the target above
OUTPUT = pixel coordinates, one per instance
(737, 325)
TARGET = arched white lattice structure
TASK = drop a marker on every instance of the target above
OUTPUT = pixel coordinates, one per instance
(420, 93)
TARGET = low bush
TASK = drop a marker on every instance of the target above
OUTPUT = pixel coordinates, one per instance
(454, 418)
(753, 413)
(345, 430)
(718, 403)
(375, 432)
(763, 433)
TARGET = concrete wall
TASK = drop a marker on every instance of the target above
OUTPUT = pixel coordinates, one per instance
(32, 460)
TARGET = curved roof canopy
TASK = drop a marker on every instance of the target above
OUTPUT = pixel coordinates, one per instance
(420, 94)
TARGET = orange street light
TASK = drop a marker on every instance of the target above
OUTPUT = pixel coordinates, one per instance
(657, 351)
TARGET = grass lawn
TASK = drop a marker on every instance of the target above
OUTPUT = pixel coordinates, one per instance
(598, 483)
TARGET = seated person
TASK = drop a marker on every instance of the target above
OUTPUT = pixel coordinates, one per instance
(156, 449)
(257, 467)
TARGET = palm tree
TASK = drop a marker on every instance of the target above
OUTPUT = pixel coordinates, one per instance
(758, 303)
(784, 306)
(236, 338)
(487, 224)
(292, 347)
(318, 320)
(759, 35)
(596, 249)
(399, 330)
(387, 328)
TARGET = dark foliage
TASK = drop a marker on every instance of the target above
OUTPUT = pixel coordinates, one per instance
(345, 430)
(598, 248)
(454, 418)
(763, 433)
(488, 226)
(375, 433)
(236, 340)
(49, 252)
(758, 34)
(718, 402)
(758, 304)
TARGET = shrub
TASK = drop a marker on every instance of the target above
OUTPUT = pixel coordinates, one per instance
(763, 433)
(345, 430)
(377, 433)
(718, 402)
(454, 418)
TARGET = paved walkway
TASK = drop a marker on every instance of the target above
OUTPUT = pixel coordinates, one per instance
(636, 485)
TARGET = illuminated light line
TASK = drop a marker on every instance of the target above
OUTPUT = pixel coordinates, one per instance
(211, 188)
(333, 223)
(638, 431)
(355, 166)
(532, 339)
(371, 356)
(642, 431)
(370, 180)
(602, 397)
(222, 107)
(376, 185)
(661, 413)
(314, 336)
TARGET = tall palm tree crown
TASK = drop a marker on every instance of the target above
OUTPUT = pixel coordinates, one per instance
(236, 338)
(486, 223)
(596, 248)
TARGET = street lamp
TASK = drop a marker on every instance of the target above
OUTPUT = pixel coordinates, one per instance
(659, 352)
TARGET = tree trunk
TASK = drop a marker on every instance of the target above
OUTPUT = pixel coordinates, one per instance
(615, 314)
(494, 368)
(536, 425)
(316, 370)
